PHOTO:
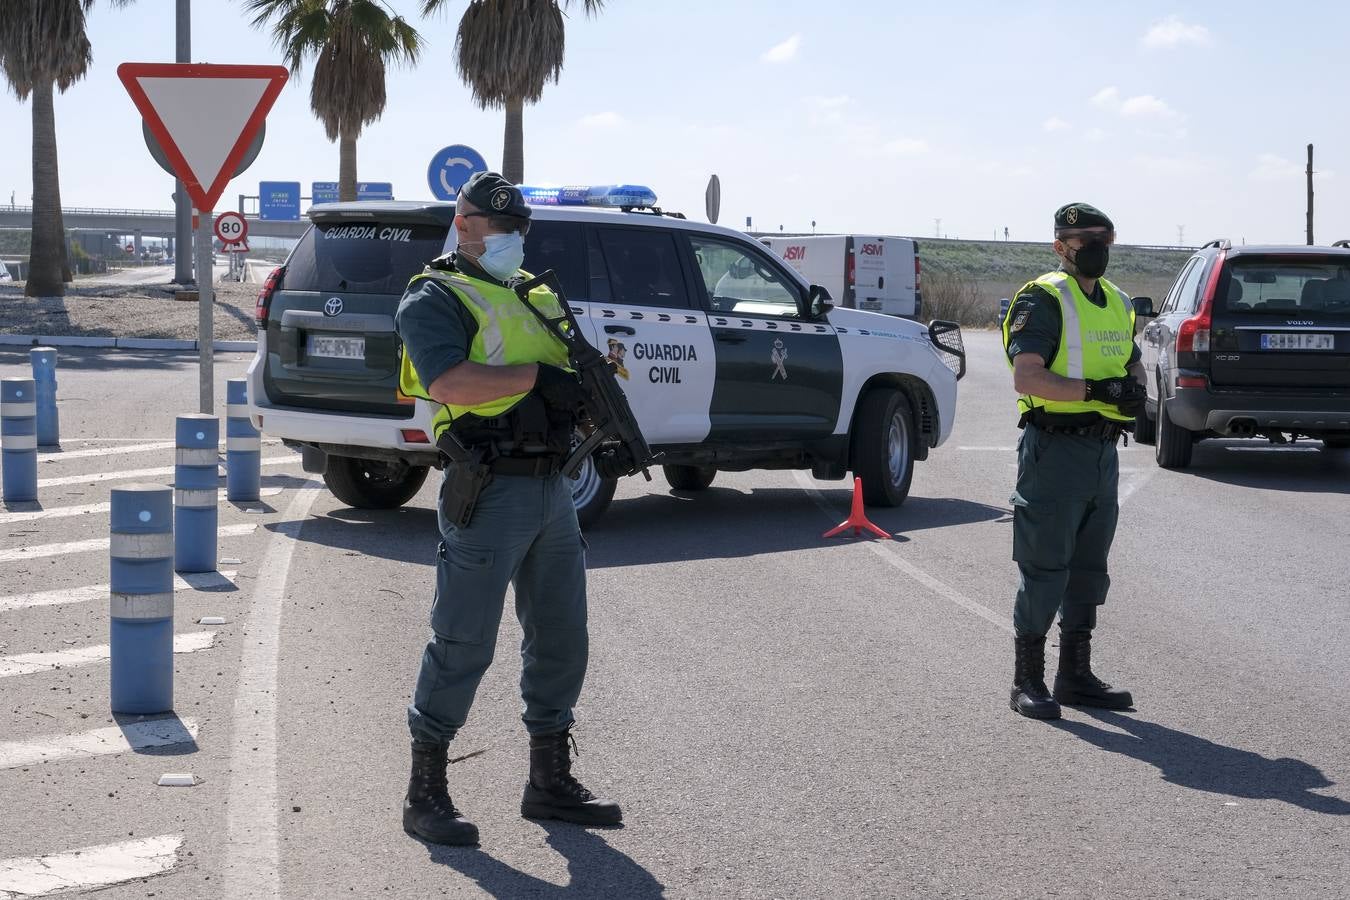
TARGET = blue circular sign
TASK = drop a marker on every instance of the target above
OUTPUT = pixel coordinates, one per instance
(451, 168)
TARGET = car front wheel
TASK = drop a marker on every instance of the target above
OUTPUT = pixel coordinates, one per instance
(373, 483)
(883, 447)
(689, 478)
(591, 494)
(1173, 449)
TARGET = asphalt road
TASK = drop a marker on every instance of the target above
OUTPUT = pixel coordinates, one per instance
(781, 715)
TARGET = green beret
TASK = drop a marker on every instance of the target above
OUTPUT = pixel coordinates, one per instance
(1081, 215)
(493, 194)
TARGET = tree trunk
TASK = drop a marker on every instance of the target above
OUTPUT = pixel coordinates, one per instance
(347, 166)
(513, 146)
(47, 253)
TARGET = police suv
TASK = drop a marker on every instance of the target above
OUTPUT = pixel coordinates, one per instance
(729, 358)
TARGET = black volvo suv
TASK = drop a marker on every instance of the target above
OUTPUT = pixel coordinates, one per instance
(1251, 342)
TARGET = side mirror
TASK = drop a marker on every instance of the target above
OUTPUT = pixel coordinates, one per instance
(1143, 307)
(818, 302)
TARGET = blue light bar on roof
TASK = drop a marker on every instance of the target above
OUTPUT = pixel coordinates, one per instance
(605, 195)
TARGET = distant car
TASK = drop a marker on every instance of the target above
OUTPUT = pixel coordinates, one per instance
(4, 273)
(1251, 342)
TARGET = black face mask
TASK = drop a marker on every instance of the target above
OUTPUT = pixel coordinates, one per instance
(1091, 259)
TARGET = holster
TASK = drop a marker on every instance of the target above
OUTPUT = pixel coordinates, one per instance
(467, 475)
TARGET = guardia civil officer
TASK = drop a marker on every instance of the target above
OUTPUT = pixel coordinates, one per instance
(1069, 337)
(506, 418)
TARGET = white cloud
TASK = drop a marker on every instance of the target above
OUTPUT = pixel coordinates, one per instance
(827, 110)
(839, 101)
(1147, 105)
(1172, 32)
(1106, 98)
(1055, 123)
(1095, 136)
(784, 52)
(602, 120)
(906, 147)
(1271, 167)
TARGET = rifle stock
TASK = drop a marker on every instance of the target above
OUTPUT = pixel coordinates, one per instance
(615, 432)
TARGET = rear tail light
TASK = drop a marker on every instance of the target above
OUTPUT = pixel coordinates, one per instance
(918, 272)
(265, 296)
(848, 271)
(1192, 381)
(413, 436)
(1193, 333)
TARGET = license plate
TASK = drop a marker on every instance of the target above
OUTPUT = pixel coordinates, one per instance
(870, 304)
(336, 347)
(1298, 341)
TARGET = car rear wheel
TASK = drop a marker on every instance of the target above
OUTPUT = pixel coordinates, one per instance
(883, 447)
(1145, 429)
(373, 483)
(689, 478)
(591, 494)
(1173, 450)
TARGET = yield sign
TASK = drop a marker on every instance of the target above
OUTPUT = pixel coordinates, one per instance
(204, 117)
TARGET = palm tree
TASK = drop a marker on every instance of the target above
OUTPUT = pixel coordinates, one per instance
(353, 40)
(506, 51)
(43, 46)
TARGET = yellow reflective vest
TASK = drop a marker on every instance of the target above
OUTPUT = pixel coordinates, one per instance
(508, 335)
(1096, 342)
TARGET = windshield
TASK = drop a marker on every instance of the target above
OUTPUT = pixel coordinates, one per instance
(1286, 286)
(366, 257)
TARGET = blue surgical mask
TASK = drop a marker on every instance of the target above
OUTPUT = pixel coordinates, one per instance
(503, 254)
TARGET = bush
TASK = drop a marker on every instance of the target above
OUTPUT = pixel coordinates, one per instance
(956, 298)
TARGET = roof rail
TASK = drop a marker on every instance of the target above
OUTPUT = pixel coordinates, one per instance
(1342, 243)
(1220, 243)
(653, 211)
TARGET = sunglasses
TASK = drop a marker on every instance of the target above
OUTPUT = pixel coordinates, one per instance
(502, 223)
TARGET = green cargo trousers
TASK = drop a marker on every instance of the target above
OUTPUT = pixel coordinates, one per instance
(1064, 519)
(523, 532)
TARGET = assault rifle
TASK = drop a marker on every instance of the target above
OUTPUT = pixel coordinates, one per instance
(615, 436)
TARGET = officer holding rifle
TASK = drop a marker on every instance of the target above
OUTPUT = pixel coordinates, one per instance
(510, 399)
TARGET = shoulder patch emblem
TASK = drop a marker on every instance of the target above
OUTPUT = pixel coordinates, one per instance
(1020, 322)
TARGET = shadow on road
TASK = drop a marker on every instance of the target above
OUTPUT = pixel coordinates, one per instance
(1202, 765)
(97, 360)
(595, 868)
(718, 523)
(171, 735)
(1303, 468)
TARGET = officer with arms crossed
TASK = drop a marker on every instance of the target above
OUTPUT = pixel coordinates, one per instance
(507, 415)
(1069, 336)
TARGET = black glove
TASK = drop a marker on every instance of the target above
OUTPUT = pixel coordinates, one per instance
(1125, 393)
(613, 462)
(560, 389)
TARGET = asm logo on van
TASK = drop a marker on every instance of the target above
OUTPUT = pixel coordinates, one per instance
(873, 250)
(794, 253)
(332, 306)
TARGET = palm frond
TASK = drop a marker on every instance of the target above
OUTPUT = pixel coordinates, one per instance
(508, 50)
(42, 41)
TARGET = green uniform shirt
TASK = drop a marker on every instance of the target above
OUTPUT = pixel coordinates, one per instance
(1040, 330)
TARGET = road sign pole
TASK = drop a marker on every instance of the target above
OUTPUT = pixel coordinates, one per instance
(205, 315)
(182, 262)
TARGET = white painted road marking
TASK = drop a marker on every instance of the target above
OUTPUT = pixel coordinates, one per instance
(88, 868)
(252, 862)
(99, 742)
(28, 663)
(186, 581)
(62, 512)
(41, 550)
(136, 474)
(105, 451)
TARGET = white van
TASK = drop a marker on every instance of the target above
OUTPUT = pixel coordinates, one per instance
(872, 272)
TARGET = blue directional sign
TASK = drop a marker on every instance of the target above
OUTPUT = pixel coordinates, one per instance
(279, 201)
(451, 167)
(323, 192)
(374, 190)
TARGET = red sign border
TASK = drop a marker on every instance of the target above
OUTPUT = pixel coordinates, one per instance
(204, 199)
(243, 235)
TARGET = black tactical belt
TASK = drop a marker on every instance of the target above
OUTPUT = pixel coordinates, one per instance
(528, 466)
(1106, 431)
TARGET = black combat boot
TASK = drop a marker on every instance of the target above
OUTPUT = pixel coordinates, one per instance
(1029, 696)
(428, 812)
(1075, 685)
(552, 792)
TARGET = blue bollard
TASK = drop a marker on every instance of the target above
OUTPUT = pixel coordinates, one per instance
(243, 445)
(195, 481)
(140, 640)
(44, 375)
(18, 439)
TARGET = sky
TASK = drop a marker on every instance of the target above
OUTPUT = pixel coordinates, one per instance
(1182, 121)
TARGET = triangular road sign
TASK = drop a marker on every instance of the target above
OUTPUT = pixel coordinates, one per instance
(204, 116)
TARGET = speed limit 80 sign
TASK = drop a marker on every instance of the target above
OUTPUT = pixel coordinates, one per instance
(231, 228)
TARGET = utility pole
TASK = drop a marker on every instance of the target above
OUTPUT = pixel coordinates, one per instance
(1310, 196)
(182, 223)
(1181, 235)
(937, 228)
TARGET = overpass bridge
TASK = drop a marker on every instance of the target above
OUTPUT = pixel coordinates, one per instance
(148, 222)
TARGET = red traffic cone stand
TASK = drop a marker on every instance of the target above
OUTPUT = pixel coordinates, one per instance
(857, 520)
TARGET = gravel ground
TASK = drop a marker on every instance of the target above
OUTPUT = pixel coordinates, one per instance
(121, 310)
